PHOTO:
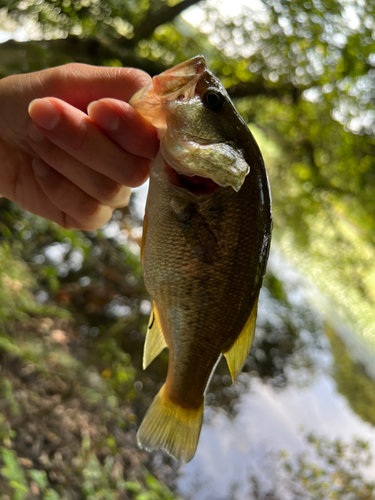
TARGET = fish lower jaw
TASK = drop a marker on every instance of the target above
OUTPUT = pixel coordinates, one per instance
(194, 184)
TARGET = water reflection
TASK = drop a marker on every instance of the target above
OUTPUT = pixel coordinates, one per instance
(268, 421)
(299, 378)
(293, 389)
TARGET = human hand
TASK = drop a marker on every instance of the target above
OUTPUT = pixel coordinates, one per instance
(58, 162)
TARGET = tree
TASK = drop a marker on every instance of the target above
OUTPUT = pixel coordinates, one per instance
(301, 71)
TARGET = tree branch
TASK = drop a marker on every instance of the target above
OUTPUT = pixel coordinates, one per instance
(162, 16)
(260, 88)
(36, 55)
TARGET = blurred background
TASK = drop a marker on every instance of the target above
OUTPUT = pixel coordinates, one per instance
(299, 421)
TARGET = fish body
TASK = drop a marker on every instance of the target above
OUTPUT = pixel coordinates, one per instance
(205, 246)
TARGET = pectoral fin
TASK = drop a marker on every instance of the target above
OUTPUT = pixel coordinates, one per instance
(155, 341)
(237, 354)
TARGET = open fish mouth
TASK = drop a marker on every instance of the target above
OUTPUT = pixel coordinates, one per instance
(173, 84)
(195, 184)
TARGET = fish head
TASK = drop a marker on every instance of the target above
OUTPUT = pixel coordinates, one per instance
(201, 133)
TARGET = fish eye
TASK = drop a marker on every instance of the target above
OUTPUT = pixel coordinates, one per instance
(213, 100)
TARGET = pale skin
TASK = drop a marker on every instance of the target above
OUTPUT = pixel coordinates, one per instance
(71, 146)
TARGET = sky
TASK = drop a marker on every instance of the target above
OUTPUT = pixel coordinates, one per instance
(194, 15)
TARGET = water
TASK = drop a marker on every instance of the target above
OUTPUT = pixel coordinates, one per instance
(273, 417)
(267, 423)
(307, 373)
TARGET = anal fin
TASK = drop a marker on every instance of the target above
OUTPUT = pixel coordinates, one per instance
(237, 354)
(155, 341)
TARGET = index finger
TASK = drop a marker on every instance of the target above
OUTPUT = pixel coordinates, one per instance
(75, 134)
(125, 126)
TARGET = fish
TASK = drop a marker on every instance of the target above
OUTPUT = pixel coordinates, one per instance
(205, 245)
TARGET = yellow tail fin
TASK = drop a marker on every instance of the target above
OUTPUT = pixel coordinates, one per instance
(171, 428)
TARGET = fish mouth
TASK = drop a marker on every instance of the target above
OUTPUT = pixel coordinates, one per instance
(194, 184)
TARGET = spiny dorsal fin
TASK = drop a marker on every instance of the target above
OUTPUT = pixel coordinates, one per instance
(237, 354)
(155, 341)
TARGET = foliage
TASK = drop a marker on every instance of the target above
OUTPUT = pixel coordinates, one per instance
(352, 380)
(153, 491)
(66, 386)
(335, 474)
(14, 474)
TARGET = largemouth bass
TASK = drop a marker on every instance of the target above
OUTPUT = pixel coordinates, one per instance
(205, 246)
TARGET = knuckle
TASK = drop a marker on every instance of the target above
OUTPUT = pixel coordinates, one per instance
(70, 69)
(78, 139)
(74, 67)
(126, 198)
(81, 226)
(134, 177)
(67, 222)
(91, 210)
(70, 223)
(141, 78)
(93, 215)
(57, 78)
(110, 190)
(61, 197)
(52, 155)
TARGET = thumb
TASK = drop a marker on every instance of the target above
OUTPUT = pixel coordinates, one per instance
(80, 84)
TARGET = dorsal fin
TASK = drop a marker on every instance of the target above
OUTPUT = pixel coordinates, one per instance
(237, 354)
(155, 341)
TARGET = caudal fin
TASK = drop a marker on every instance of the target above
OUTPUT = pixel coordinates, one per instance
(170, 427)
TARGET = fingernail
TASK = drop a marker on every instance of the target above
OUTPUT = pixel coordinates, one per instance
(44, 114)
(40, 168)
(104, 116)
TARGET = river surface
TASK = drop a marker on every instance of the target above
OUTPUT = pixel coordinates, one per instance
(274, 416)
(307, 386)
